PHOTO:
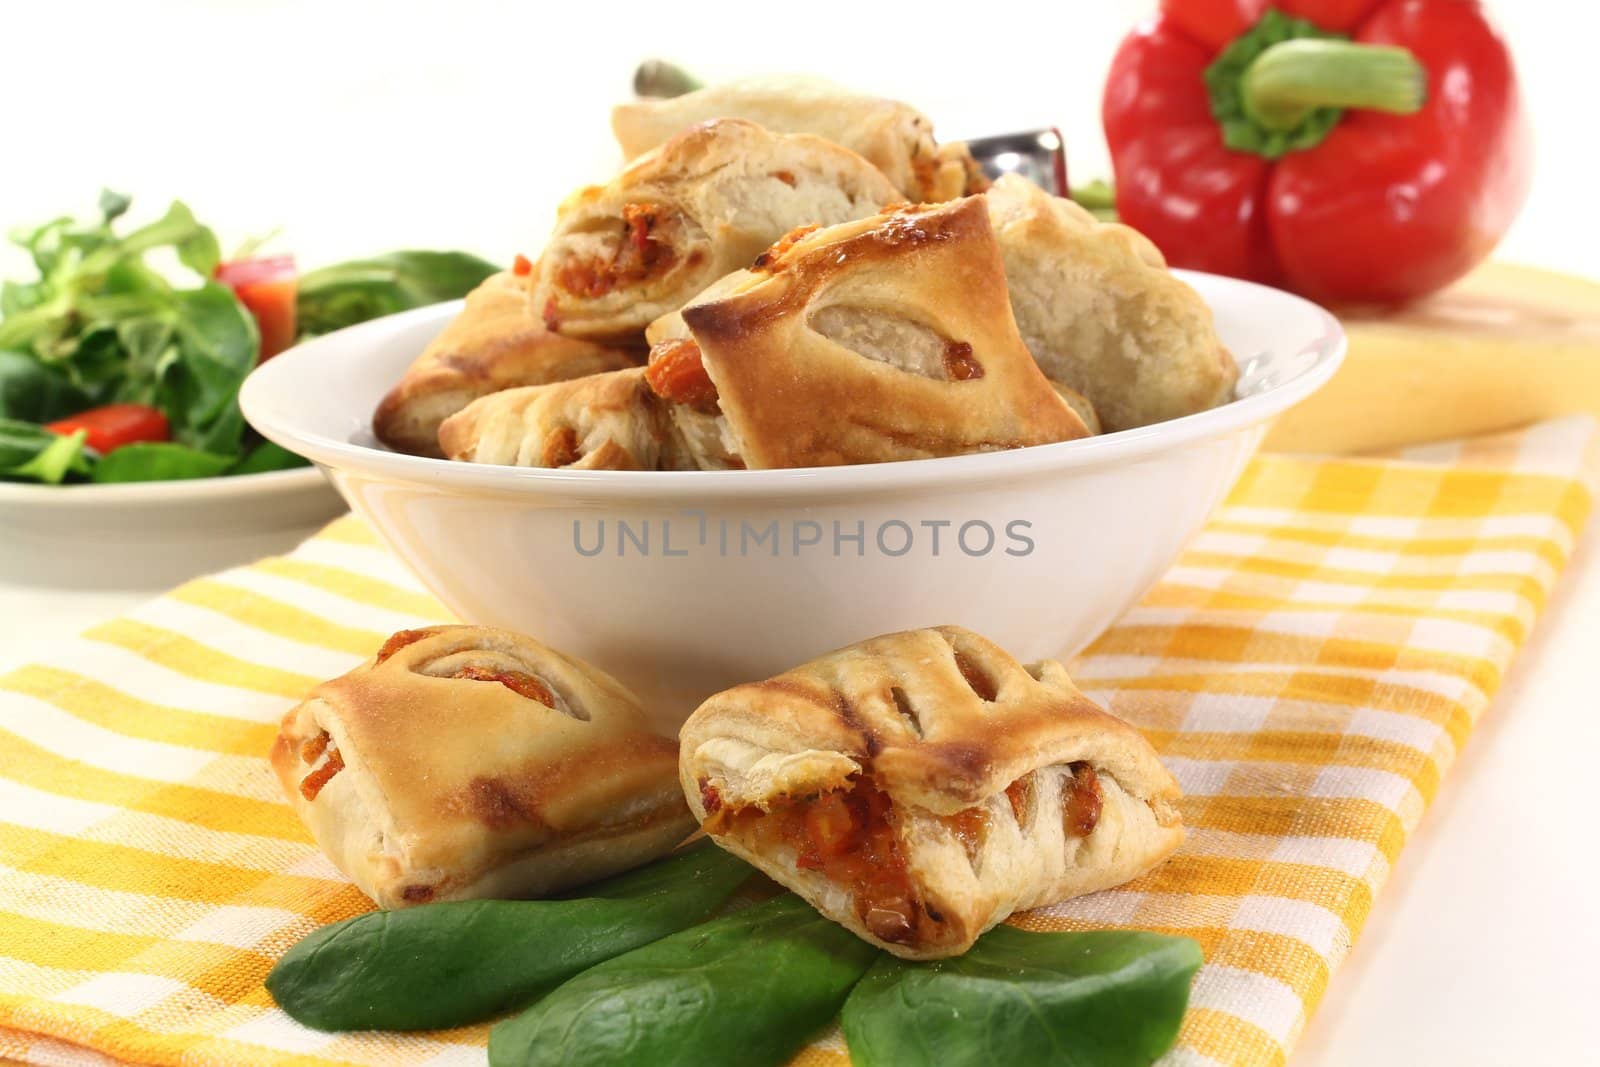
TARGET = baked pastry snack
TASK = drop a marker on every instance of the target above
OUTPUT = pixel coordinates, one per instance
(603, 422)
(1080, 404)
(1101, 313)
(886, 338)
(920, 787)
(495, 343)
(894, 137)
(464, 761)
(703, 204)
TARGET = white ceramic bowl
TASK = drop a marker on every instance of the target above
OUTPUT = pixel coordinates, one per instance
(152, 535)
(710, 578)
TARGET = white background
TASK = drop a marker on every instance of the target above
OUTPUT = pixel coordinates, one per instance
(360, 127)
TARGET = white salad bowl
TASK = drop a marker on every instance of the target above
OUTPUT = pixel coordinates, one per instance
(681, 583)
(152, 535)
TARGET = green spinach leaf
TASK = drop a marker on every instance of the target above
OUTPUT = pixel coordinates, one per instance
(347, 293)
(746, 990)
(158, 461)
(1109, 998)
(440, 965)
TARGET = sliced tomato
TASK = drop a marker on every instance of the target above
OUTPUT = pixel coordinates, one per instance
(267, 286)
(114, 425)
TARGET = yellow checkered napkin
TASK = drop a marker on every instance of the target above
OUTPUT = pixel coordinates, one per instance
(1308, 670)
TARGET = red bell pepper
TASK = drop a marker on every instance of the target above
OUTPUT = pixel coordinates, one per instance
(1352, 150)
(268, 287)
(110, 427)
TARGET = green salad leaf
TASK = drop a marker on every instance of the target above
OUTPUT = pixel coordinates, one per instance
(448, 964)
(32, 453)
(1109, 998)
(746, 990)
(101, 324)
(90, 276)
(159, 461)
(268, 456)
(347, 293)
(216, 345)
(61, 457)
(37, 392)
(114, 205)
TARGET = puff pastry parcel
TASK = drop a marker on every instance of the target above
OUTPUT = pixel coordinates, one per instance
(886, 338)
(920, 787)
(603, 422)
(1101, 313)
(703, 204)
(894, 137)
(464, 761)
(495, 343)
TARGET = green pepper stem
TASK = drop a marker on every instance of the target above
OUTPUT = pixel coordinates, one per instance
(1289, 80)
(1098, 198)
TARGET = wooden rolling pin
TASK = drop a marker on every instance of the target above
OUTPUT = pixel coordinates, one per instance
(1503, 347)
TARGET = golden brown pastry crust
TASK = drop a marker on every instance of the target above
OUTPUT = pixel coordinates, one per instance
(1080, 404)
(887, 338)
(445, 787)
(1101, 313)
(603, 422)
(495, 343)
(704, 203)
(943, 722)
(892, 136)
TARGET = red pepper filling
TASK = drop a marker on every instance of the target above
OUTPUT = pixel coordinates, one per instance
(959, 363)
(561, 447)
(1020, 794)
(517, 681)
(312, 748)
(637, 256)
(971, 826)
(310, 751)
(1080, 807)
(677, 374)
(849, 836)
(404, 638)
(771, 260)
(522, 266)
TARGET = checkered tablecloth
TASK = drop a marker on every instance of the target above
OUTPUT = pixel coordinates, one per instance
(1308, 670)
